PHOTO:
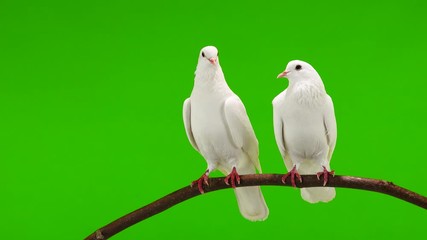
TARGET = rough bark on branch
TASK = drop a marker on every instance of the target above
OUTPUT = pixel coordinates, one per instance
(188, 192)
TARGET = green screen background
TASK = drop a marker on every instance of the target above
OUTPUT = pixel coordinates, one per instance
(91, 96)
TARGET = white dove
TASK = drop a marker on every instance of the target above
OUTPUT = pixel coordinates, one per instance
(218, 127)
(305, 128)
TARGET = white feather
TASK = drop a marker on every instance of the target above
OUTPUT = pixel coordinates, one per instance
(187, 122)
(241, 130)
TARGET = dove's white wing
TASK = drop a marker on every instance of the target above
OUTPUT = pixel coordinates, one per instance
(330, 126)
(241, 130)
(186, 113)
(279, 130)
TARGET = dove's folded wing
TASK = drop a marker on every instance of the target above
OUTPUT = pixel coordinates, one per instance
(279, 131)
(330, 126)
(241, 130)
(186, 113)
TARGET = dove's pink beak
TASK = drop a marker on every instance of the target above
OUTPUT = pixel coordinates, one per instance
(213, 60)
(283, 74)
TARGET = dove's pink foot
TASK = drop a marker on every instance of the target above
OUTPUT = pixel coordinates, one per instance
(293, 173)
(200, 181)
(234, 177)
(325, 174)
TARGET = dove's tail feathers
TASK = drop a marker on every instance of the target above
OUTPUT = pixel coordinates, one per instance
(250, 199)
(318, 194)
(251, 203)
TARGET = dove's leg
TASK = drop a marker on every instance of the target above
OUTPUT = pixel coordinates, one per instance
(233, 177)
(293, 173)
(203, 179)
(325, 174)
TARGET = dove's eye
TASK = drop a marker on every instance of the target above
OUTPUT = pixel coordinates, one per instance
(203, 54)
(298, 67)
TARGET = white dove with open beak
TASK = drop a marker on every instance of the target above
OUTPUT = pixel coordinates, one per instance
(218, 127)
(305, 128)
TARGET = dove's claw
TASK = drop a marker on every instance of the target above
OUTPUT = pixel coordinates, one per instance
(199, 182)
(293, 173)
(234, 177)
(325, 174)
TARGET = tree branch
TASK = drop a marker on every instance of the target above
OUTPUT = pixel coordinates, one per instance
(215, 184)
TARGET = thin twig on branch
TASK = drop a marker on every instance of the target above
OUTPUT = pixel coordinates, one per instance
(254, 180)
